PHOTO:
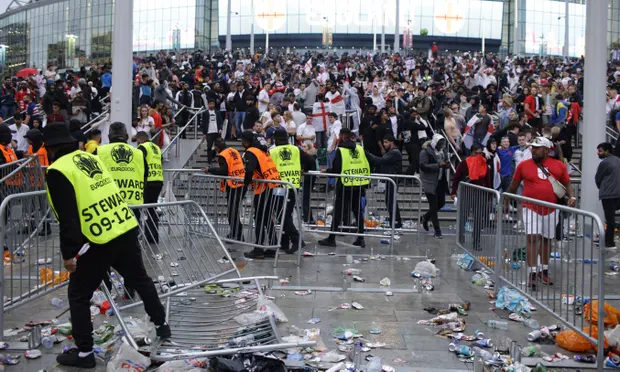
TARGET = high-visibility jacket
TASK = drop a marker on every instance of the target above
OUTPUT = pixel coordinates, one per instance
(153, 161)
(9, 157)
(288, 162)
(104, 214)
(41, 153)
(235, 167)
(268, 171)
(126, 164)
(354, 163)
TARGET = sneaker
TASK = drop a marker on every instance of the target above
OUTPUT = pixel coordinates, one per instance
(532, 282)
(255, 253)
(545, 278)
(72, 358)
(163, 331)
(359, 242)
(508, 218)
(438, 235)
(327, 242)
(270, 253)
(424, 223)
(611, 247)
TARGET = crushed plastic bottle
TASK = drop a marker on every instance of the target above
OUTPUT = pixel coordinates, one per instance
(485, 355)
(374, 365)
(352, 271)
(464, 351)
(57, 302)
(47, 342)
(496, 324)
(531, 323)
(530, 350)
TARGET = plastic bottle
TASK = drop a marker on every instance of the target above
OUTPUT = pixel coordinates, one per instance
(485, 355)
(94, 310)
(463, 350)
(349, 259)
(374, 365)
(484, 342)
(497, 324)
(57, 302)
(47, 342)
(530, 350)
(352, 271)
(452, 346)
(532, 323)
(357, 356)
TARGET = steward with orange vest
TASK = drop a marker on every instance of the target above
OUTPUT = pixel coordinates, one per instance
(7, 155)
(260, 166)
(230, 165)
(36, 146)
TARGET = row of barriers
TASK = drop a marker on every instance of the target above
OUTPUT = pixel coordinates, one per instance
(524, 242)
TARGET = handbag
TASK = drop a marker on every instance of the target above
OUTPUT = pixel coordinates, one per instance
(558, 189)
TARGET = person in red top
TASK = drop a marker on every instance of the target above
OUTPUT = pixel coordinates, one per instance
(533, 109)
(540, 222)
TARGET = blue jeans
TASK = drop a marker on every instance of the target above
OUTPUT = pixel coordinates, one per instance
(6, 111)
(239, 117)
(331, 156)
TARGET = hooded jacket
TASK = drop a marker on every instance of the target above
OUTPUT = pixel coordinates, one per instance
(430, 170)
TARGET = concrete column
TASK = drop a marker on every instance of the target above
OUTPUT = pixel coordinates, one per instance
(252, 32)
(396, 30)
(594, 101)
(383, 29)
(122, 52)
(566, 29)
(228, 21)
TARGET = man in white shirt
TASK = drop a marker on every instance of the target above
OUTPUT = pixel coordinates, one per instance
(334, 132)
(336, 101)
(305, 132)
(263, 98)
(320, 121)
(18, 130)
(211, 129)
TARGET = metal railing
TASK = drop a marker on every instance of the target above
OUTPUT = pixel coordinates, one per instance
(105, 111)
(176, 140)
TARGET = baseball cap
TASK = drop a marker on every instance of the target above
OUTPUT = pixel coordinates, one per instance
(541, 142)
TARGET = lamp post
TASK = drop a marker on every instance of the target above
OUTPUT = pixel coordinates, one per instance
(396, 30)
(252, 31)
(228, 24)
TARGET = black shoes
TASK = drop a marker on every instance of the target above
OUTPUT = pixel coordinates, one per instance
(424, 222)
(72, 358)
(438, 235)
(163, 331)
(359, 242)
(258, 253)
(327, 242)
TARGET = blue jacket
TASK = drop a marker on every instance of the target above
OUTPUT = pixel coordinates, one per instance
(560, 113)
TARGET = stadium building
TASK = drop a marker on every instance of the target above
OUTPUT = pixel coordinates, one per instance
(74, 33)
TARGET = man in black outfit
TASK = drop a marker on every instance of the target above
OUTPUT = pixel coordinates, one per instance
(121, 251)
(368, 131)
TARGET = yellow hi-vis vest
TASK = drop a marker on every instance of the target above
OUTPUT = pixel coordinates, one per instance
(354, 163)
(153, 161)
(288, 162)
(126, 164)
(104, 215)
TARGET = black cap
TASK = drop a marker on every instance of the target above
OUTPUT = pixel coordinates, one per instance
(247, 136)
(33, 134)
(56, 134)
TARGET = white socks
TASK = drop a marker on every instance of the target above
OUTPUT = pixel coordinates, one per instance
(84, 355)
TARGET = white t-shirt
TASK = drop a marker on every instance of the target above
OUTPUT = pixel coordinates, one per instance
(212, 128)
(145, 125)
(334, 133)
(263, 95)
(18, 136)
(299, 117)
(306, 130)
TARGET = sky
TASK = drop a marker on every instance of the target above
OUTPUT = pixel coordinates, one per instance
(3, 5)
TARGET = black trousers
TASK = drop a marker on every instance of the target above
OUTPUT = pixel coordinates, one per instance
(413, 150)
(151, 194)
(263, 218)
(436, 201)
(389, 199)
(210, 150)
(234, 198)
(124, 255)
(307, 190)
(610, 206)
(290, 233)
(348, 199)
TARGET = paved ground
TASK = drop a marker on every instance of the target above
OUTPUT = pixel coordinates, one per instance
(395, 316)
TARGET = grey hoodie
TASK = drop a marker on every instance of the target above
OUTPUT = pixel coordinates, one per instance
(607, 178)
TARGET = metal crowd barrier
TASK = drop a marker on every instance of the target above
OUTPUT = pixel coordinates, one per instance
(407, 189)
(239, 216)
(366, 203)
(21, 176)
(547, 236)
(477, 228)
(33, 265)
(200, 283)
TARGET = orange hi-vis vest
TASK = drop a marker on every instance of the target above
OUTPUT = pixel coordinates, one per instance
(268, 171)
(9, 157)
(235, 168)
(41, 153)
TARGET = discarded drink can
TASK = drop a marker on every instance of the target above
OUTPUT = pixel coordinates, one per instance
(385, 241)
(534, 335)
(614, 266)
(478, 333)
(485, 342)
(586, 358)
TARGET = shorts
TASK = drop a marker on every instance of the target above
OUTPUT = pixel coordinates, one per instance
(506, 181)
(537, 224)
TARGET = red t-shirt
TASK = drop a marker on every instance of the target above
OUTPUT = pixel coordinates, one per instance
(535, 183)
(531, 101)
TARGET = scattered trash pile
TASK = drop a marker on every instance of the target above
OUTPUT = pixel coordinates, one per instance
(350, 356)
(424, 273)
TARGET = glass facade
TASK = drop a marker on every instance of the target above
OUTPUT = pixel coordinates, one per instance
(459, 18)
(74, 33)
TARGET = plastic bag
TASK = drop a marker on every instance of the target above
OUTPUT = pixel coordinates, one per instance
(128, 359)
(573, 341)
(425, 269)
(251, 318)
(611, 314)
(511, 300)
(138, 328)
(187, 365)
(271, 308)
(374, 365)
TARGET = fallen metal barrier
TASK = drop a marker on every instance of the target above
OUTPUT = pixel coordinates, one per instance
(240, 216)
(183, 252)
(558, 239)
(476, 223)
(33, 265)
